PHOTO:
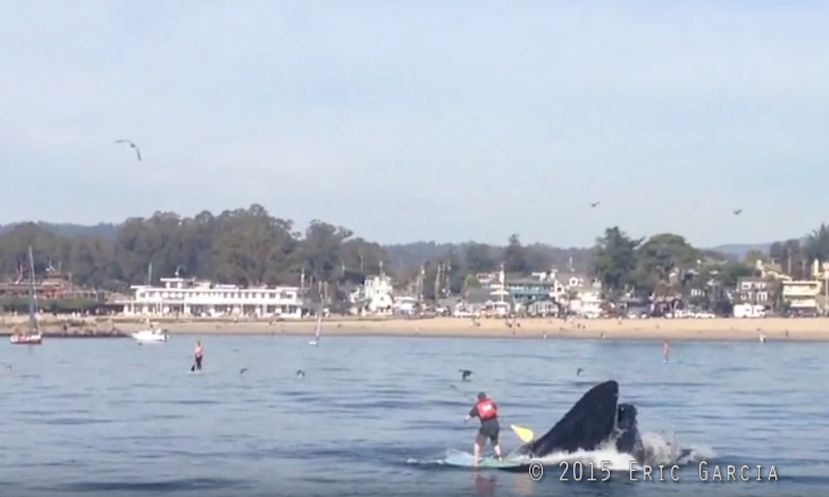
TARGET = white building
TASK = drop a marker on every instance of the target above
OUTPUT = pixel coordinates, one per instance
(188, 297)
(802, 295)
(406, 306)
(374, 297)
(588, 303)
(752, 291)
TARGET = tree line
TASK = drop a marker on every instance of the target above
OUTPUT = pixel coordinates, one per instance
(666, 265)
(250, 247)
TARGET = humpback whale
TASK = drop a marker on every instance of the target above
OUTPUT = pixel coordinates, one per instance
(595, 421)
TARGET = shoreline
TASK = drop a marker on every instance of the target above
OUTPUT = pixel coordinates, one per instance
(702, 330)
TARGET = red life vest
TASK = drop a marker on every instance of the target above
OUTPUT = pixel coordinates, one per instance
(486, 409)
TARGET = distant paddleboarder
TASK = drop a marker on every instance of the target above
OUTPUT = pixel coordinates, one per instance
(666, 351)
(198, 355)
(487, 411)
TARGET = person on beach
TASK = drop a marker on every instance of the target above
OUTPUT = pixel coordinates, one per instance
(198, 354)
(487, 411)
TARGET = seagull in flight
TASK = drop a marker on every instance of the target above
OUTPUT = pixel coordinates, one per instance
(594, 204)
(737, 212)
(133, 145)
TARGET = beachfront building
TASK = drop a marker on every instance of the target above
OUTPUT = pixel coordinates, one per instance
(802, 296)
(374, 297)
(534, 296)
(189, 297)
(752, 291)
(405, 305)
(587, 302)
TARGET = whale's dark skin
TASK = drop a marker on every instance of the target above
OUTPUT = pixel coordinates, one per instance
(594, 420)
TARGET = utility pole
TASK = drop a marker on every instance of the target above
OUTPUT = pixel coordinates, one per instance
(420, 285)
(437, 284)
(789, 257)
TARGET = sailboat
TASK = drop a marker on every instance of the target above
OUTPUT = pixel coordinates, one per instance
(316, 340)
(33, 336)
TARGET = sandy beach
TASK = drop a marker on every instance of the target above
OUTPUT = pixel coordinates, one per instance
(774, 329)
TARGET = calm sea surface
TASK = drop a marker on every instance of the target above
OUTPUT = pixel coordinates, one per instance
(377, 416)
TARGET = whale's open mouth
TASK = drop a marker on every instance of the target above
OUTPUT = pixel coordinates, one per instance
(595, 421)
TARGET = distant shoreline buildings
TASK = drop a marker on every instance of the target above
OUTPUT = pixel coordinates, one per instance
(552, 293)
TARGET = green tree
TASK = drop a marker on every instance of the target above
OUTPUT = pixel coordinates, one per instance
(614, 261)
(663, 263)
(791, 257)
(479, 258)
(817, 244)
(515, 256)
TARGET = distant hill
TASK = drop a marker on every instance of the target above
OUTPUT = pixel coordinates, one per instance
(739, 250)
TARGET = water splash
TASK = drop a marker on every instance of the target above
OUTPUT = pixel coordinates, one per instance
(664, 448)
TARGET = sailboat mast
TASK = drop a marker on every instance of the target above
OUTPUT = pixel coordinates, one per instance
(32, 320)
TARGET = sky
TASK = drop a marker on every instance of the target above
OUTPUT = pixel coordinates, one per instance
(426, 120)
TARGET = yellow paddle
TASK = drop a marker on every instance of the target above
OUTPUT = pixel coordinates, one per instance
(525, 434)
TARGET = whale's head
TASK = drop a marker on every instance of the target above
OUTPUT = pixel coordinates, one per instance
(628, 439)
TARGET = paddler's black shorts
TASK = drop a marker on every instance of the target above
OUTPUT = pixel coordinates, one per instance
(490, 429)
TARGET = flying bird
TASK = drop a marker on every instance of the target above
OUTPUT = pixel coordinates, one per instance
(465, 374)
(594, 204)
(300, 373)
(243, 371)
(133, 145)
(737, 212)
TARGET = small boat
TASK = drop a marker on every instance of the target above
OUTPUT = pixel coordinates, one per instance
(316, 340)
(33, 336)
(26, 338)
(150, 335)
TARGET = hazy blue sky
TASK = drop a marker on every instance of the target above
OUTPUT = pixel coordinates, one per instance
(413, 120)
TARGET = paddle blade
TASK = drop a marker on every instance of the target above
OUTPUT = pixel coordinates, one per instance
(525, 434)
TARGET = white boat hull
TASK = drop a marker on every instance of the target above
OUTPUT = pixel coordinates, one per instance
(147, 336)
(32, 339)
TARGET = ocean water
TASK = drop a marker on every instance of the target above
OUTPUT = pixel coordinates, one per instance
(380, 416)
